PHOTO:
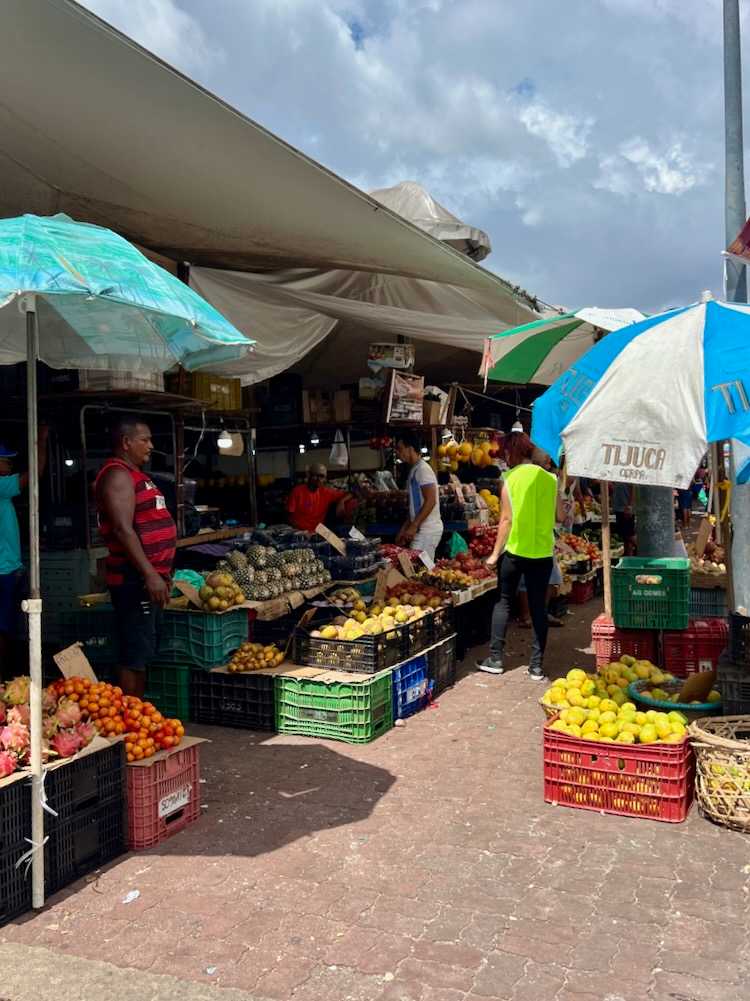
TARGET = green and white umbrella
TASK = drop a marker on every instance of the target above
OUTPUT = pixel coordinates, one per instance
(542, 350)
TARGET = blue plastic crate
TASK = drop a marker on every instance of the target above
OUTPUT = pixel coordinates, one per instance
(409, 687)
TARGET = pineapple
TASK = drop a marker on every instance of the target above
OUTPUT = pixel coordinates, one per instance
(257, 557)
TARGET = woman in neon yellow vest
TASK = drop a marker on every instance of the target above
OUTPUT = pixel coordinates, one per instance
(525, 535)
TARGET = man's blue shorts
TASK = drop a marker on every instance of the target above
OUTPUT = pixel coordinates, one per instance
(10, 601)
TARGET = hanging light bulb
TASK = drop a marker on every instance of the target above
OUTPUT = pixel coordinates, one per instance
(302, 449)
(517, 426)
(314, 440)
(425, 451)
(68, 461)
(224, 440)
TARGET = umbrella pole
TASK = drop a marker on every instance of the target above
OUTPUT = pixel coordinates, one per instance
(33, 608)
(606, 536)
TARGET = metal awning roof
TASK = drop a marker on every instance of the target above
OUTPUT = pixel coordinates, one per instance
(95, 126)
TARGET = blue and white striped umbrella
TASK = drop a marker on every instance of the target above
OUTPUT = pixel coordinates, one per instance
(642, 405)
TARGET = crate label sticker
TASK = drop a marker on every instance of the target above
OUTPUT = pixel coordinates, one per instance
(174, 801)
(319, 715)
(427, 560)
(230, 707)
(416, 691)
(354, 533)
(331, 539)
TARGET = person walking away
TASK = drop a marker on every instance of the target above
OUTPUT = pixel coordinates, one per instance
(424, 529)
(11, 565)
(525, 538)
(309, 502)
(623, 505)
(141, 536)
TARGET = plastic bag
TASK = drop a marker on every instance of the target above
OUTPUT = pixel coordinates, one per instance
(339, 455)
(456, 545)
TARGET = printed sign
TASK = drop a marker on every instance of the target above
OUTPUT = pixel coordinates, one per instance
(331, 539)
(73, 663)
(174, 801)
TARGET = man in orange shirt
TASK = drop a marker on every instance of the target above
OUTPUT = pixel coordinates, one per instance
(309, 502)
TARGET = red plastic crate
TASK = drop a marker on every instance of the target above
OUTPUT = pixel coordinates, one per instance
(581, 591)
(697, 648)
(653, 781)
(163, 797)
(610, 643)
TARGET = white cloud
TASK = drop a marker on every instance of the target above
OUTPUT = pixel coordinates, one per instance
(566, 134)
(637, 166)
(163, 27)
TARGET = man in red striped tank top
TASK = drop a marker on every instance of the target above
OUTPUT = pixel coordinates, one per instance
(140, 535)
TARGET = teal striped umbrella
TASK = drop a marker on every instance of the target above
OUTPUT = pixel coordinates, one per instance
(541, 351)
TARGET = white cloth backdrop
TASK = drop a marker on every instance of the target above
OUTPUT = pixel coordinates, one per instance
(289, 313)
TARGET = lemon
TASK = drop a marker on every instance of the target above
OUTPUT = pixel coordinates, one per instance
(559, 725)
(677, 717)
(558, 683)
(590, 726)
(640, 718)
(624, 737)
(630, 728)
(574, 730)
(648, 734)
(609, 729)
(677, 728)
(607, 705)
(714, 696)
(619, 697)
(594, 714)
(576, 674)
(587, 688)
(591, 735)
(574, 697)
(593, 701)
(576, 715)
(607, 717)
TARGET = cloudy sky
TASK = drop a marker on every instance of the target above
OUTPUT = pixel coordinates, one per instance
(585, 136)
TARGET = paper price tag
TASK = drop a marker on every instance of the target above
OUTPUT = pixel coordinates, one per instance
(381, 586)
(331, 539)
(74, 663)
(406, 564)
(354, 533)
(427, 560)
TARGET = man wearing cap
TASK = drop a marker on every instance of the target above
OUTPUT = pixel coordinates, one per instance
(309, 502)
(11, 566)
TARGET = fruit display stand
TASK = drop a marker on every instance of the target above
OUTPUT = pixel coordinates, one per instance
(87, 794)
(163, 794)
(654, 781)
(353, 708)
(722, 749)
(610, 643)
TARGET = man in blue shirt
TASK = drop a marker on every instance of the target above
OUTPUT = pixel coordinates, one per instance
(11, 565)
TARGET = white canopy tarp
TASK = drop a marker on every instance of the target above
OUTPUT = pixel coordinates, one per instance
(97, 127)
(417, 205)
(338, 313)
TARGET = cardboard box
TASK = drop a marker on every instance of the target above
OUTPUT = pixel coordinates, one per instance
(217, 391)
(432, 410)
(321, 406)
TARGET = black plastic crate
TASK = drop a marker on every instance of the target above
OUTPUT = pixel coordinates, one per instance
(15, 883)
(275, 631)
(441, 667)
(733, 681)
(366, 655)
(82, 844)
(15, 815)
(243, 700)
(739, 639)
(96, 779)
(441, 623)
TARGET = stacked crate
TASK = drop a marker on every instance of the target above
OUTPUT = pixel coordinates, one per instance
(191, 641)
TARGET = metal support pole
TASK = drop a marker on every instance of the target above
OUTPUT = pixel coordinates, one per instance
(654, 521)
(606, 548)
(735, 275)
(33, 609)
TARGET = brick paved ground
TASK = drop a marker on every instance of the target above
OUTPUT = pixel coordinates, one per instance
(424, 867)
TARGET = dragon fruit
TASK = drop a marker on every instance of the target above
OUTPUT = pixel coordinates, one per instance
(86, 732)
(2, 712)
(7, 764)
(49, 727)
(68, 713)
(65, 743)
(17, 691)
(49, 701)
(15, 738)
(19, 714)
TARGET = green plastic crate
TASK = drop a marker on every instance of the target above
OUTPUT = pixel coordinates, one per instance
(202, 639)
(637, 604)
(168, 687)
(355, 712)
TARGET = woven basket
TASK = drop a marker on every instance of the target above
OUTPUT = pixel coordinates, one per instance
(549, 711)
(722, 749)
